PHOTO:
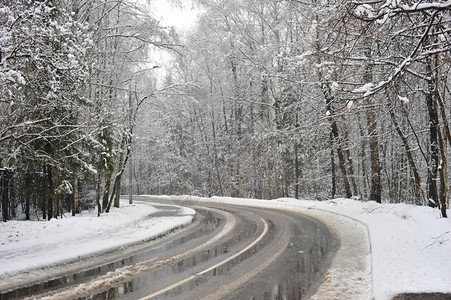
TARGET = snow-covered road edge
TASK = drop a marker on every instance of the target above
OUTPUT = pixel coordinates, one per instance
(53, 245)
(350, 274)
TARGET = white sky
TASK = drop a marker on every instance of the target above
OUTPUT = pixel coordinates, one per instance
(182, 18)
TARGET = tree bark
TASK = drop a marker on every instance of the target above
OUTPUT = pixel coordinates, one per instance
(99, 206)
(193, 157)
(44, 193)
(5, 178)
(365, 181)
(350, 170)
(237, 175)
(55, 195)
(443, 170)
(215, 152)
(49, 194)
(296, 170)
(444, 187)
(332, 163)
(118, 193)
(375, 188)
(121, 166)
(106, 191)
(279, 149)
(27, 195)
(267, 170)
(433, 135)
(75, 197)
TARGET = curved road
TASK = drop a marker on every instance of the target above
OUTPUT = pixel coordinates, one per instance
(229, 252)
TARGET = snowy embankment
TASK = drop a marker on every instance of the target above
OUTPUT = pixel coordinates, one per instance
(386, 249)
(28, 246)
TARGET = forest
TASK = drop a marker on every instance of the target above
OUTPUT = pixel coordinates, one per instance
(261, 99)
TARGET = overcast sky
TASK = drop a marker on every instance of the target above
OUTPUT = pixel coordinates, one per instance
(181, 18)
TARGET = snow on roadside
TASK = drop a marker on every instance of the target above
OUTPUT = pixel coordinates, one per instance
(390, 248)
(26, 245)
(410, 245)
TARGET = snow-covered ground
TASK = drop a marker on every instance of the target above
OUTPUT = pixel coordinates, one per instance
(387, 249)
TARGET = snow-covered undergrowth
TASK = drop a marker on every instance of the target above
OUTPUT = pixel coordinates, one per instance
(409, 245)
(28, 245)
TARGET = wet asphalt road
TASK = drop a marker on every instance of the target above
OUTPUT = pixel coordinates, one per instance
(229, 252)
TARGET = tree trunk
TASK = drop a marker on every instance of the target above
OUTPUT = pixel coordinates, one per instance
(4, 179)
(49, 194)
(27, 195)
(215, 152)
(443, 170)
(99, 206)
(336, 136)
(341, 159)
(410, 159)
(267, 171)
(106, 191)
(75, 197)
(332, 163)
(279, 126)
(351, 165)
(329, 97)
(121, 166)
(237, 175)
(296, 170)
(283, 174)
(55, 195)
(118, 193)
(193, 157)
(365, 181)
(375, 188)
(433, 135)
(256, 186)
(44, 194)
(444, 187)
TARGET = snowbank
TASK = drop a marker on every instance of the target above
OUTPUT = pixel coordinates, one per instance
(409, 244)
(28, 245)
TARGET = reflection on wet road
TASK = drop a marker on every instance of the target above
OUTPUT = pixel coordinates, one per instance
(229, 252)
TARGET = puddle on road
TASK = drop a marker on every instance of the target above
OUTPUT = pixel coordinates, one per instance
(38, 288)
(290, 279)
(298, 270)
(191, 265)
(113, 293)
